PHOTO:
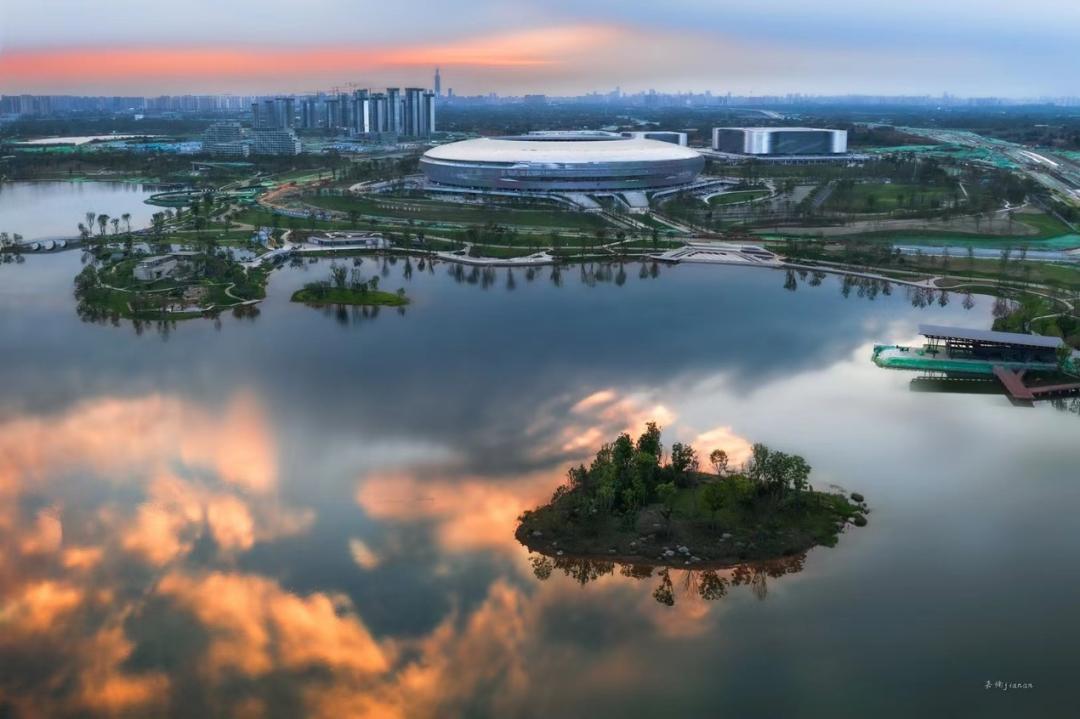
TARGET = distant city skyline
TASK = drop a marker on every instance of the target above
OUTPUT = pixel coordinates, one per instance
(762, 47)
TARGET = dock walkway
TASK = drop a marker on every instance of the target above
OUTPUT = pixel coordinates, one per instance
(1014, 385)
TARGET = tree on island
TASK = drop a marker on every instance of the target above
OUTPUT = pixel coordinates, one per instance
(628, 496)
(338, 275)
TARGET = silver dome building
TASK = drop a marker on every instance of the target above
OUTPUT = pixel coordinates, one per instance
(563, 162)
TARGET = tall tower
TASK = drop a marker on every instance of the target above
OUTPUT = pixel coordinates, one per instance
(438, 83)
(394, 119)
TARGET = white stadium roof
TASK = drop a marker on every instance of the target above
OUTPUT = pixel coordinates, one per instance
(521, 149)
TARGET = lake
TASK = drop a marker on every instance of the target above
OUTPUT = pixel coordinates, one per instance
(311, 512)
(49, 210)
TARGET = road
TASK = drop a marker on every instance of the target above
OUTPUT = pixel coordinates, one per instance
(1060, 175)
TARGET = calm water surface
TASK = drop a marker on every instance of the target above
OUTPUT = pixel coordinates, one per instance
(311, 513)
(43, 210)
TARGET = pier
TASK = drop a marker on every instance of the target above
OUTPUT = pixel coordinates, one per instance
(962, 353)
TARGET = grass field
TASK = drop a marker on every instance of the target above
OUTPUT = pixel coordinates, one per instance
(963, 239)
(730, 198)
(346, 296)
(885, 197)
(262, 218)
(1051, 234)
(425, 210)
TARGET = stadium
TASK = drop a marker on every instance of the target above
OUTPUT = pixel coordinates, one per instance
(562, 162)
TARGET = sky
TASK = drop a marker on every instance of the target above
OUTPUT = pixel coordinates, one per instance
(963, 47)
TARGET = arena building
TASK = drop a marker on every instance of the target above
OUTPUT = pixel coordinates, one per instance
(676, 138)
(562, 162)
(779, 141)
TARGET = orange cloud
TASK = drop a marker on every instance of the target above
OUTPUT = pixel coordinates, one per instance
(256, 625)
(471, 512)
(363, 555)
(119, 437)
(723, 437)
(546, 46)
(475, 512)
(602, 415)
(38, 606)
(105, 688)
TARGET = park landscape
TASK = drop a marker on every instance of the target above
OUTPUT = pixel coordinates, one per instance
(405, 402)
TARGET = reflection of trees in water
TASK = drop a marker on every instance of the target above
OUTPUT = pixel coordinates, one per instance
(870, 287)
(1066, 404)
(589, 274)
(356, 314)
(707, 584)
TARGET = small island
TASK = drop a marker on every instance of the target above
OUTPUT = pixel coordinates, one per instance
(629, 506)
(172, 285)
(345, 288)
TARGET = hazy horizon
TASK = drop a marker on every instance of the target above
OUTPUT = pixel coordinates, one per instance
(556, 47)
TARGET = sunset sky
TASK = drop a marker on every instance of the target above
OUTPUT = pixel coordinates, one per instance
(967, 47)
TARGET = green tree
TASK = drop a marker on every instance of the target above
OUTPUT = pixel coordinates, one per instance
(666, 493)
(684, 459)
(712, 496)
(719, 460)
(339, 275)
(649, 441)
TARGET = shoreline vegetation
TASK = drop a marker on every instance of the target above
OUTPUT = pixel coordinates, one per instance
(630, 507)
(347, 288)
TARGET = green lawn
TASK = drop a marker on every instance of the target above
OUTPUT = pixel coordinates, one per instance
(425, 210)
(263, 218)
(1046, 224)
(885, 197)
(346, 296)
(730, 198)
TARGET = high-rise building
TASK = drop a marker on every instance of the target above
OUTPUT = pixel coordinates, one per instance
(273, 114)
(361, 112)
(309, 114)
(331, 113)
(428, 114)
(344, 118)
(419, 112)
(377, 121)
(438, 83)
(394, 120)
(414, 108)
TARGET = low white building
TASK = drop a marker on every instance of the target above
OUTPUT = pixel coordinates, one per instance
(373, 240)
(160, 267)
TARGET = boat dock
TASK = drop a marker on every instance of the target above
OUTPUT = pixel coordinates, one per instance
(958, 352)
(1013, 382)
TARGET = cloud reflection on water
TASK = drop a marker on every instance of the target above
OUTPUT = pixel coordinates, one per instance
(129, 516)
